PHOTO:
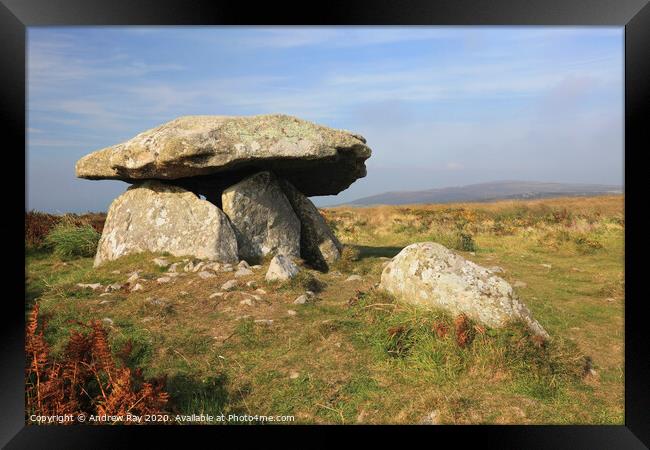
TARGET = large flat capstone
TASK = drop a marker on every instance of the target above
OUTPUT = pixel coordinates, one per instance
(208, 153)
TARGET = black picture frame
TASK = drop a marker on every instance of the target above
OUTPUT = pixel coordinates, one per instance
(634, 15)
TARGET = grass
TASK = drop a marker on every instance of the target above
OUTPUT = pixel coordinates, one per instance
(354, 355)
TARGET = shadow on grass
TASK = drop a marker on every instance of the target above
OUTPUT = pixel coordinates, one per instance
(211, 396)
(366, 251)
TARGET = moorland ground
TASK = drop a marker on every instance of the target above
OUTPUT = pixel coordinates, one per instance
(354, 355)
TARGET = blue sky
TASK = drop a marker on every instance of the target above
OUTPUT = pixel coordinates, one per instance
(439, 106)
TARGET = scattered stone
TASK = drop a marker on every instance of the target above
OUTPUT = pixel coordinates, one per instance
(282, 268)
(243, 265)
(105, 302)
(247, 302)
(266, 322)
(160, 262)
(262, 217)
(229, 285)
(353, 278)
(189, 267)
(133, 278)
(113, 287)
(163, 280)
(243, 272)
(107, 321)
(115, 272)
(548, 266)
(159, 217)
(430, 275)
(316, 159)
(158, 302)
(93, 286)
(251, 284)
(105, 294)
(198, 266)
(137, 287)
(520, 284)
(184, 293)
(216, 294)
(294, 375)
(496, 269)
(433, 418)
(291, 312)
(304, 298)
(172, 274)
(173, 268)
(205, 274)
(256, 267)
(260, 291)
(610, 299)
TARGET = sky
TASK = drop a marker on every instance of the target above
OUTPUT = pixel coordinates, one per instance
(438, 106)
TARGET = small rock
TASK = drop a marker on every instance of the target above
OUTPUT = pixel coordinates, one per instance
(243, 265)
(260, 291)
(256, 266)
(147, 319)
(93, 286)
(163, 280)
(137, 287)
(548, 266)
(496, 269)
(198, 266)
(173, 268)
(214, 266)
(105, 294)
(267, 322)
(433, 418)
(113, 287)
(160, 262)
(353, 278)
(229, 285)
(519, 284)
(251, 284)
(105, 302)
(132, 279)
(610, 299)
(247, 302)
(116, 272)
(305, 298)
(184, 293)
(107, 321)
(294, 375)
(282, 268)
(243, 272)
(205, 274)
(172, 274)
(158, 301)
(216, 294)
(291, 312)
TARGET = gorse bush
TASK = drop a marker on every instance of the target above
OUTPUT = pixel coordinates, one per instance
(69, 241)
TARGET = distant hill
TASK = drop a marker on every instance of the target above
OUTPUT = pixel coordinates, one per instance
(483, 192)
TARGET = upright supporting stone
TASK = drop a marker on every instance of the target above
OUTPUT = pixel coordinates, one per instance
(156, 217)
(319, 247)
(262, 217)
